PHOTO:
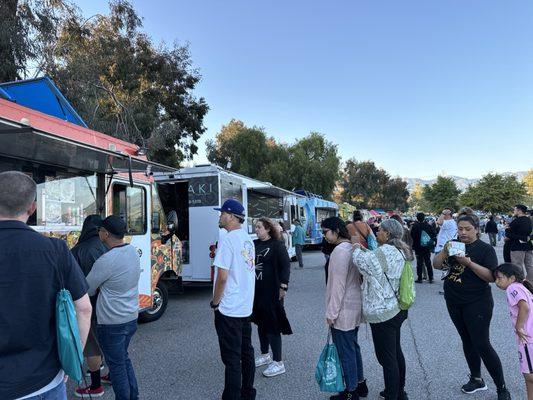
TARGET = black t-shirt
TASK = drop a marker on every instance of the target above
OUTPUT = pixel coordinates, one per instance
(29, 283)
(462, 285)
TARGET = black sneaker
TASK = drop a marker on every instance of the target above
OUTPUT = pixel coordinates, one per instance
(403, 395)
(503, 394)
(474, 385)
(419, 281)
(362, 389)
(346, 395)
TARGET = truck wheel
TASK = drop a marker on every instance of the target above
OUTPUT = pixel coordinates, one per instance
(160, 304)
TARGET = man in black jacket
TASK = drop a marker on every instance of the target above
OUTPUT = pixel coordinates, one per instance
(88, 249)
(519, 235)
(491, 229)
(423, 250)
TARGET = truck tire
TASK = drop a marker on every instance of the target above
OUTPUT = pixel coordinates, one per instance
(160, 304)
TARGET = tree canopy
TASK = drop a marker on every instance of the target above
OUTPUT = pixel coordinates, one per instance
(311, 163)
(117, 79)
(495, 193)
(442, 194)
(364, 185)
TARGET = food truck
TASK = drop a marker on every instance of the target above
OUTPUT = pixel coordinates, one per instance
(315, 210)
(80, 172)
(195, 191)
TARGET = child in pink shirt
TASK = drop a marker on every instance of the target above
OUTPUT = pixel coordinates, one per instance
(510, 277)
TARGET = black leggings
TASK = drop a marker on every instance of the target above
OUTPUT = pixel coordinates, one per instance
(424, 257)
(272, 340)
(472, 321)
(386, 337)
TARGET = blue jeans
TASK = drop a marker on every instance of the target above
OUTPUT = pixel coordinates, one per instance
(114, 341)
(57, 393)
(350, 356)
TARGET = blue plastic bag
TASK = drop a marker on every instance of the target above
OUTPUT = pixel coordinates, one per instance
(328, 372)
(372, 242)
(68, 336)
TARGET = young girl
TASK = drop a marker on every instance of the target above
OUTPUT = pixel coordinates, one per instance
(510, 277)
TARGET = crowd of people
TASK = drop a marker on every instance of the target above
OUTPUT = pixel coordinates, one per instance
(364, 271)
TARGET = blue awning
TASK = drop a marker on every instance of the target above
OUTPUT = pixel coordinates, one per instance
(42, 95)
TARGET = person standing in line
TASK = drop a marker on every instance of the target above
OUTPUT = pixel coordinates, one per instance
(470, 304)
(344, 308)
(298, 240)
(88, 249)
(272, 272)
(381, 270)
(491, 229)
(501, 229)
(519, 291)
(447, 231)
(233, 299)
(519, 235)
(423, 250)
(359, 230)
(116, 275)
(30, 269)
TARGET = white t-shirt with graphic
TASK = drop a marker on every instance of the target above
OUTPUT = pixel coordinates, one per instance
(236, 253)
(448, 231)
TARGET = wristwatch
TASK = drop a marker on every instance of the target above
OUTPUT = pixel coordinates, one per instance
(213, 306)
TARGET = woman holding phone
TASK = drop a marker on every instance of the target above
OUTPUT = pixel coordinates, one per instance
(469, 301)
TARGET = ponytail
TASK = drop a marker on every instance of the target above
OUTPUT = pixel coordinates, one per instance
(528, 285)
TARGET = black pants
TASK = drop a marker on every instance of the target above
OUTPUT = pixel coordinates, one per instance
(472, 321)
(507, 251)
(237, 353)
(270, 340)
(424, 257)
(386, 337)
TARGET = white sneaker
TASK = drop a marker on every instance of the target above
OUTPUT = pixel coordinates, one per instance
(263, 359)
(275, 368)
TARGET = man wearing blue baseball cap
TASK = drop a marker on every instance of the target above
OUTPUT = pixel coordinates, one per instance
(233, 298)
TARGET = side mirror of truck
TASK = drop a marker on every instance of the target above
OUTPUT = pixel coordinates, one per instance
(172, 221)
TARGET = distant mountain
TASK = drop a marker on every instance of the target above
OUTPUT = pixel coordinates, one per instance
(462, 183)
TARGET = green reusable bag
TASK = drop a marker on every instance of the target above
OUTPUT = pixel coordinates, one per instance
(328, 373)
(406, 296)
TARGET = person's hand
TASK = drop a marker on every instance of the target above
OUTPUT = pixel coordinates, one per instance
(282, 294)
(464, 261)
(522, 334)
(446, 248)
(329, 322)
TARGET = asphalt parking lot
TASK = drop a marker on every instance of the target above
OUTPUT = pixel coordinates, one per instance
(177, 357)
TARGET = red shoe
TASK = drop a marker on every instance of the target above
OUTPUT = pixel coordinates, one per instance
(87, 392)
(106, 379)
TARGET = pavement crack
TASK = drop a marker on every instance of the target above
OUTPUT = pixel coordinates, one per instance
(427, 380)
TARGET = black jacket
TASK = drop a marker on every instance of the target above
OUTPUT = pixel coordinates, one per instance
(491, 227)
(416, 233)
(89, 247)
(519, 233)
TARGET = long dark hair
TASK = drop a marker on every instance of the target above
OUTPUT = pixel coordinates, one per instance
(270, 226)
(510, 269)
(337, 225)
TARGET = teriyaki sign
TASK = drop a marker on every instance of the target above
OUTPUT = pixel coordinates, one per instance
(203, 191)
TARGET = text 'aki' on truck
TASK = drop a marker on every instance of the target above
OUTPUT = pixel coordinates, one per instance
(194, 192)
(79, 172)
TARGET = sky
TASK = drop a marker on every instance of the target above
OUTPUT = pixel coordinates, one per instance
(420, 87)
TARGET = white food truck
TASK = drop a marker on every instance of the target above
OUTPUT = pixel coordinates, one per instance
(194, 193)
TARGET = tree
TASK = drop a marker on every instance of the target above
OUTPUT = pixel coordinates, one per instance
(311, 163)
(495, 193)
(114, 76)
(442, 194)
(417, 202)
(27, 28)
(366, 186)
(528, 181)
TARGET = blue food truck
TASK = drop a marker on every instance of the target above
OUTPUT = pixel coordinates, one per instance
(315, 209)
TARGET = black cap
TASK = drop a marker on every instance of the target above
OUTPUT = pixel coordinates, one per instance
(114, 225)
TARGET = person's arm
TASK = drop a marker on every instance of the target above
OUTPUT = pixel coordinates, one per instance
(83, 315)
(338, 267)
(523, 313)
(97, 276)
(220, 285)
(481, 271)
(284, 266)
(438, 260)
